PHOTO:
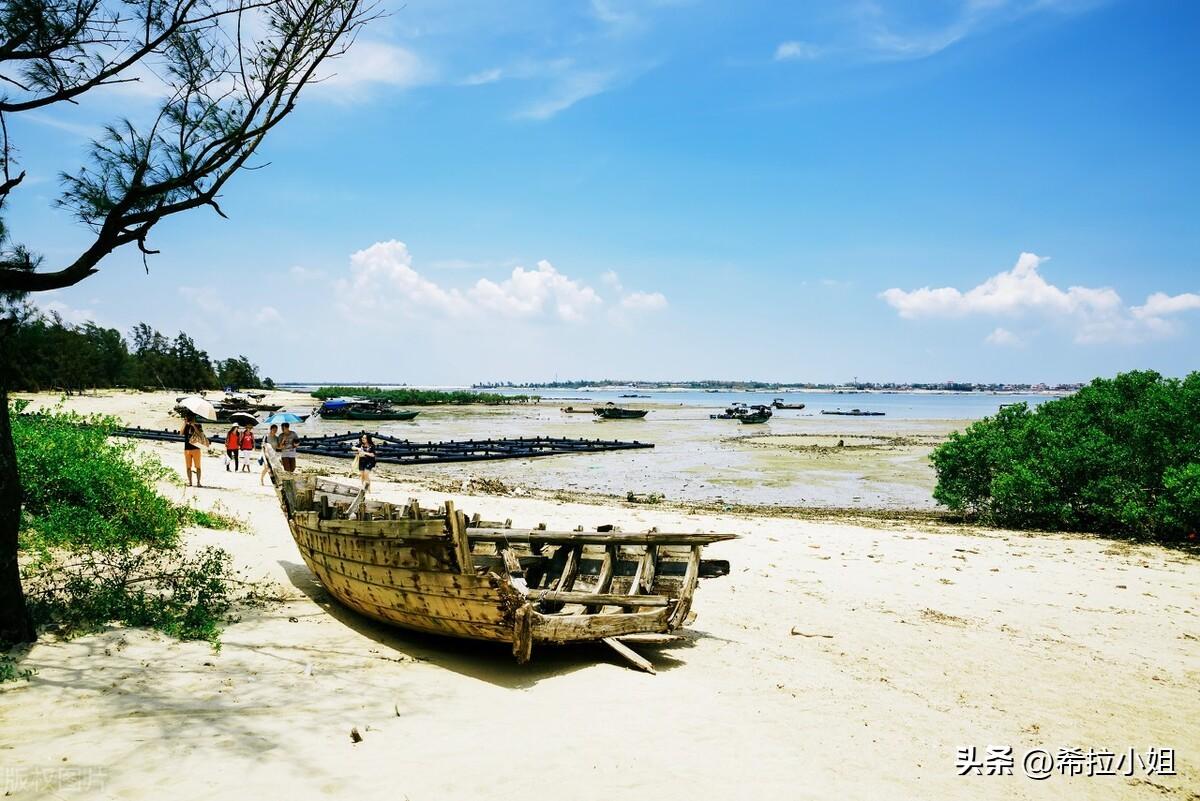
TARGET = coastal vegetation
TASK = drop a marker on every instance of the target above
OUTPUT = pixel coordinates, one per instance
(1120, 457)
(212, 102)
(99, 544)
(405, 396)
(46, 353)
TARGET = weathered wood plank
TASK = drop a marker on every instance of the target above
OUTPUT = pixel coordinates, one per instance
(605, 599)
(575, 628)
(629, 655)
(688, 591)
(594, 537)
(397, 529)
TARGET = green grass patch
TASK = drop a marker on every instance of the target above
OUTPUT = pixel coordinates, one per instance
(424, 397)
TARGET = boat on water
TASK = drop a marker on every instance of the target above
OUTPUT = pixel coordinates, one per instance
(853, 413)
(442, 572)
(611, 411)
(779, 404)
(354, 409)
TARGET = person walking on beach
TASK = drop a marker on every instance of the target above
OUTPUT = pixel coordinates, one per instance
(247, 448)
(271, 439)
(287, 444)
(231, 449)
(366, 459)
(194, 441)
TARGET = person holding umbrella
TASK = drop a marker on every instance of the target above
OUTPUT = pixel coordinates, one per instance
(232, 438)
(194, 441)
(288, 442)
(271, 439)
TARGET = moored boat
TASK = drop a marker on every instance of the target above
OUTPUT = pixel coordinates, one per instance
(573, 410)
(438, 571)
(761, 414)
(611, 411)
(354, 409)
(779, 404)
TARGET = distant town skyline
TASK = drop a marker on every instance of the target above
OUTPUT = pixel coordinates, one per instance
(999, 191)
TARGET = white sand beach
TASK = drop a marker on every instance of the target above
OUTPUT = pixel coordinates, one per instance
(835, 661)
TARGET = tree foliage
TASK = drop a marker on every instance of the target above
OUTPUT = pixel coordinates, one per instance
(1121, 457)
(44, 352)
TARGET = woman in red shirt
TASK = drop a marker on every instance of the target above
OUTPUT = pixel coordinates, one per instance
(231, 448)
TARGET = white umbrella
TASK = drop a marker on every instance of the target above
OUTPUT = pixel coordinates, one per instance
(199, 407)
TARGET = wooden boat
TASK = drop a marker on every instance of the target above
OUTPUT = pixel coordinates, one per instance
(438, 571)
(379, 414)
(854, 413)
(761, 414)
(779, 404)
(611, 411)
(735, 412)
(362, 410)
(573, 410)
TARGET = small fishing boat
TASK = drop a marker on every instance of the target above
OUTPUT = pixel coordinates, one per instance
(611, 411)
(853, 413)
(442, 572)
(735, 412)
(352, 409)
(761, 414)
(573, 410)
(779, 404)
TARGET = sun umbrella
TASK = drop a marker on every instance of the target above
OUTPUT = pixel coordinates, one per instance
(283, 417)
(199, 407)
(243, 419)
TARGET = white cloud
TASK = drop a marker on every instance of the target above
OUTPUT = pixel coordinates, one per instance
(206, 299)
(382, 277)
(797, 51)
(644, 301)
(483, 77)
(1094, 314)
(369, 63)
(569, 90)
(529, 292)
(1002, 337)
(268, 315)
(610, 278)
(69, 314)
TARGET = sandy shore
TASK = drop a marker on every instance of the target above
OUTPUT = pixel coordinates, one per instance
(836, 661)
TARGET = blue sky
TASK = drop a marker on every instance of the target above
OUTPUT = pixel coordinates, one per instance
(952, 189)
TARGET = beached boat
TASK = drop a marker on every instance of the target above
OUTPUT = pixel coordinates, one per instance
(853, 413)
(362, 410)
(379, 414)
(438, 571)
(611, 411)
(761, 414)
(573, 410)
(735, 412)
(779, 404)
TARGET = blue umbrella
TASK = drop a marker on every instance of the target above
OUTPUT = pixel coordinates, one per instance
(283, 417)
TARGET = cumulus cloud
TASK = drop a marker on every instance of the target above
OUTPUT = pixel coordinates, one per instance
(644, 301)
(797, 51)
(68, 313)
(382, 277)
(1095, 314)
(610, 278)
(528, 293)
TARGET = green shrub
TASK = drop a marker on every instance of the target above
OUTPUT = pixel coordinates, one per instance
(98, 544)
(423, 397)
(1121, 456)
